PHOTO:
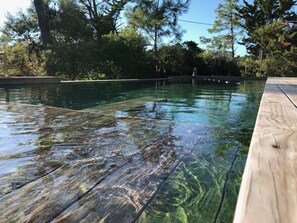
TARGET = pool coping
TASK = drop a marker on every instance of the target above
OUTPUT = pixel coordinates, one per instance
(14, 80)
(269, 183)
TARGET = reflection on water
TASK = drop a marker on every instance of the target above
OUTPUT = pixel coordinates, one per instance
(91, 165)
(75, 96)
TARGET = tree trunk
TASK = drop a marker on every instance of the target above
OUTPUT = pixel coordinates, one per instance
(156, 56)
(43, 21)
(232, 38)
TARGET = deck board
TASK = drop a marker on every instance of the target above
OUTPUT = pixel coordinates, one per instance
(269, 186)
(80, 160)
(288, 86)
(123, 106)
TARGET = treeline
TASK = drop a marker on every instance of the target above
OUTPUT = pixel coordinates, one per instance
(83, 39)
(271, 37)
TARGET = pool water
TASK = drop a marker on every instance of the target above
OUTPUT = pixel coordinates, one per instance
(213, 123)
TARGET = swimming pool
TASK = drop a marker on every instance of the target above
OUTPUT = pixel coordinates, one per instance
(124, 151)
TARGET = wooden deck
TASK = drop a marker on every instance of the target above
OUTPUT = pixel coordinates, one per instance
(269, 186)
(61, 165)
(73, 166)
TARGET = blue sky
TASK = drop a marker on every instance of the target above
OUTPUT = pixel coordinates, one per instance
(200, 11)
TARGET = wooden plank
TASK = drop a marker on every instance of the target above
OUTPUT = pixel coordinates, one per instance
(83, 160)
(108, 109)
(269, 186)
(122, 196)
(288, 86)
(42, 199)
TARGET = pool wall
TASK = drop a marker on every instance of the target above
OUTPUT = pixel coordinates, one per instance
(14, 80)
(29, 80)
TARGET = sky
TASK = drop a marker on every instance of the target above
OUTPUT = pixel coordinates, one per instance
(202, 11)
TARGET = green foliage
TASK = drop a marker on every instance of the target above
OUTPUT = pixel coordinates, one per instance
(171, 60)
(280, 66)
(113, 56)
(127, 51)
(102, 15)
(23, 61)
(21, 27)
(277, 37)
(218, 64)
(226, 28)
(270, 29)
(69, 24)
(157, 19)
(83, 40)
(264, 18)
(179, 59)
(249, 67)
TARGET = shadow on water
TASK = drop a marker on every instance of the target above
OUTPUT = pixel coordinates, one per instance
(74, 96)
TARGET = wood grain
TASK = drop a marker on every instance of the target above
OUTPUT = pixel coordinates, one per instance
(288, 86)
(111, 109)
(269, 186)
(85, 167)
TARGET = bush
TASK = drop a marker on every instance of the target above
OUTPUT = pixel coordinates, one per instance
(25, 60)
(219, 65)
(113, 56)
(249, 67)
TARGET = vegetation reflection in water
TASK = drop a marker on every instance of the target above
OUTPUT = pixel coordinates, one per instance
(222, 116)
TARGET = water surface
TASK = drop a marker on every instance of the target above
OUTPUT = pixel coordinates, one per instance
(188, 140)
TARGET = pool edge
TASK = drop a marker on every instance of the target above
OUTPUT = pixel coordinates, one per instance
(269, 184)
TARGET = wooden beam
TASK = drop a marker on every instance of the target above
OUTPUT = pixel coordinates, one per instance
(269, 186)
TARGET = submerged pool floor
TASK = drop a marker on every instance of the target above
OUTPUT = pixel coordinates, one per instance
(117, 163)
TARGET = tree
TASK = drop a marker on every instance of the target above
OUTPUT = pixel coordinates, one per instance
(68, 32)
(271, 32)
(192, 57)
(21, 36)
(252, 19)
(21, 27)
(180, 59)
(70, 24)
(103, 15)
(157, 19)
(226, 26)
(42, 11)
(259, 14)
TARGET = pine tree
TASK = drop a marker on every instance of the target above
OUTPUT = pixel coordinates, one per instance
(157, 19)
(226, 26)
(263, 20)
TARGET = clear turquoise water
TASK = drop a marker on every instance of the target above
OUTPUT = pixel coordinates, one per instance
(233, 105)
(204, 187)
